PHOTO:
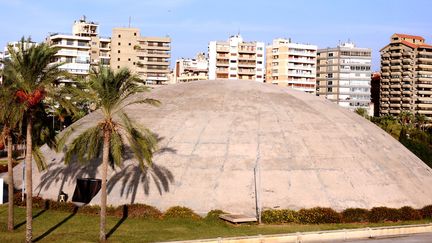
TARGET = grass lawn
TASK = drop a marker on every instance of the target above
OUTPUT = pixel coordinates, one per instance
(50, 226)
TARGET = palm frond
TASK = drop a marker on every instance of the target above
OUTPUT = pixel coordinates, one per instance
(86, 146)
(141, 141)
(39, 158)
(116, 148)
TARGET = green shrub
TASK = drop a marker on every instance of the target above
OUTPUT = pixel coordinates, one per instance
(426, 212)
(409, 213)
(279, 216)
(92, 210)
(138, 211)
(214, 214)
(355, 215)
(381, 214)
(180, 212)
(61, 206)
(318, 215)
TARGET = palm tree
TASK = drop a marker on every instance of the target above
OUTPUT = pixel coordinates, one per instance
(34, 79)
(111, 92)
(10, 117)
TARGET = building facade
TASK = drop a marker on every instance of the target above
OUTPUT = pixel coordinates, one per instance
(291, 64)
(344, 75)
(149, 57)
(236, 59)
(406, 76)
(82, 49)
(187, 70)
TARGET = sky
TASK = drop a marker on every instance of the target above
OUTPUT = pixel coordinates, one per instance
(193, 23)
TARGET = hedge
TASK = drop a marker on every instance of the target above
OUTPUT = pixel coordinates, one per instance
(316, 215)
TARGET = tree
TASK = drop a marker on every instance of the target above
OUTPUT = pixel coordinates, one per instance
(11, 114)
(35, 79)
(362, 112)
(111, 92)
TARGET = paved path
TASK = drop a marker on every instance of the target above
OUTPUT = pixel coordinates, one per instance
(417, 238)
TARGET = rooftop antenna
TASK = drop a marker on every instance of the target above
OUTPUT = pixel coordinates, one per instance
(129, 21)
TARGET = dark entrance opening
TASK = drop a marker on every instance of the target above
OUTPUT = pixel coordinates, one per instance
(86, 189)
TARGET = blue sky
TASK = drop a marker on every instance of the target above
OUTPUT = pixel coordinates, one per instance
(193, 23)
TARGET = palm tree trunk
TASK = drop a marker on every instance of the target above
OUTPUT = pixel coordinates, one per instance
(106, 146)
(10, 184)
(29, 182)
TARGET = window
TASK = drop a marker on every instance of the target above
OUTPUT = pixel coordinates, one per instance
(118, 67)
(129, 59)
(130, 44)
(233, 61)
(119, 36)
(119, 43)
(330, 75)
(233, 75)
(118, 51)
(259, 62)
(330, 54)
(135, 34)
(70, 42)
(118, 59)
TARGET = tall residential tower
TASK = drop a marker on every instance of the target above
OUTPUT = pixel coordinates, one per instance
(406, 71)
(81, 49)
(236, 59)
(344, 75)
(291, 64)
(149, 57)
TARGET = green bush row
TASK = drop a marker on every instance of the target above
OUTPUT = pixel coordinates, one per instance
(319, 215)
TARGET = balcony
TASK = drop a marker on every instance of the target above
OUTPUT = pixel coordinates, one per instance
(407, 79)
(396, 68)
(247, 57)
(247, 50)
(222, 64)
(222, 49)
(425, 92)
(385, 68)
(385, 99)
(407, 92)
(246, 71)
(425, 79)
(395, 80)
(246, 64)
(393, 105)
(406, 105)
(395, 111)
(385, 86)
(395, 86)
(155, 62)
(149, 53)
(395, 92)
(385, 74)
(395, 98)
(396, 54)
(396, 61)
(406, 99)
(387, 62)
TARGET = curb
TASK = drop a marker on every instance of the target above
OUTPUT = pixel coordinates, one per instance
(331, 235)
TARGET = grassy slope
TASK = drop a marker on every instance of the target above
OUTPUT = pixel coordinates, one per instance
(65, 227)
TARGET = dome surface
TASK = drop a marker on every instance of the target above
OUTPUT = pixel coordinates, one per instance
(233, 145)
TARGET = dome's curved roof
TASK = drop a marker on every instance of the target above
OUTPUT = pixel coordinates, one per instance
(309, 152)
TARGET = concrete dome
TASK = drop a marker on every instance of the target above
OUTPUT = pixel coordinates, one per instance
(309, 151)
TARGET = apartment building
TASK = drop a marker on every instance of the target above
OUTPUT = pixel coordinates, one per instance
(236, 59)
(344, 75)
(149, 57)
(187, 69)
(291, 64)
(81, 49)
(375, 92)
(406, 76)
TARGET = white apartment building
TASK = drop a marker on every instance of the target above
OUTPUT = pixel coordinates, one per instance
(187, 69)
(292, 64)
(344, 75)
(81, 49)
(236, 59)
